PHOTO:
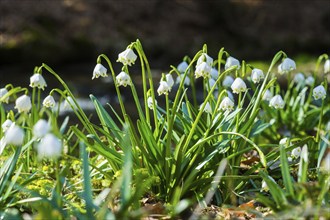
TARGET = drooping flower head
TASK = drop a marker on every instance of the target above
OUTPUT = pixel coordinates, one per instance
(14, 135)
(327, 66)
(150, 103)
(277, 102)
(163, 88)
(286, 66)
(207, 108)
(169, 80)
(6, 125)
(228, 81)
(231, 61)
(203, 70)
(99, 70)
(257, 75)
(227, 104)
(267, 95)
(41, 128)
(310, 80)
(49, 147)
(205, 58)
(23, 103)
(319, 92)
(299, 78)
(3, 92)
(182, 66)
(123, 79)
(49, 102)
(186, 80)
(214, 73)
(37, 80)
(127, 57)
(238, 86)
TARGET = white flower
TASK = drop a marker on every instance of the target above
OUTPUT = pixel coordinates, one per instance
(304, 153)
(257, 75)
(150, 103)
(286, 66)
(231, 61)
(310, 80)
(204, 58)
(214, 73)
(267, 95)
(186, 80)
(227, 104)
(327, 66)
(99, 70)
(299, 78)
(319, 92)
(169, 80)
(238, 86)
(211, 82)
(283, 141)
(23, 104)
(277, 102)
(37, 80)
(295, 153)
(3, 92)
(228, 81)
(14, 135)
(325, 165)
(182, 67)
(49, 147)
(207, 108)
(123, 79)
(6, 124)
(66, 104)
(163, 88)
(49, 102)
(203, 70)
(127, 57)
(264, 186)
(41, 128)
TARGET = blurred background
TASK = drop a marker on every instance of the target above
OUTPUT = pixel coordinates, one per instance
(68, 35)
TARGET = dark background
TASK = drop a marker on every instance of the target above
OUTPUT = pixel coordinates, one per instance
(70, 34)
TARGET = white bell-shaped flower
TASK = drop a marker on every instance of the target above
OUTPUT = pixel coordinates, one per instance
(37, 80)
(123, 79)
(214, 73)
(163, 88)
(41, 128)
(203, 70)
(207, 108)
(228, 81)
(231, 61)
(277, 102)
(211, 82)
(257, 75)
(304, 153)
(14, 135)
(3, 92)
(205, 58)
(49, 147)
(238, 86)
(299, 78)
(67, 104)
(227, 104)
(127, 57)
(182, 67)
(150, 103)
(325, 165)
(286, 66)
(6, 125)
(23, 103)
(327, 66)
(49, 102)
(319, 92)
(295, 153)
(99, 70)
(310, 81)
(283, 141)
(186, 80)
(267, 95)
(169, 80)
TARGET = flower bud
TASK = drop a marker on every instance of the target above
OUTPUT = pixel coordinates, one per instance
(214, 73)
(203, 70)
(267, 95)
(310, 80)
(23, 104)
(3, 92)
(49, 102)
(182, 67)
(238, 86)
(150, 103)
(169, 80)
(228, 81)
(6, 124)
(277, 102)
(41, 128)
(205, 58)
(257, 75)
(319, 92)
(327, 66)
(14, 135)
(207, 108)
(186, 80)
(163, 88)
(123, 79)
(99, 70)
(286, 66)
(127, 57)
(37, 80)
(49, 147)
(227, 104)
(231, 61)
